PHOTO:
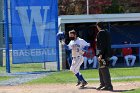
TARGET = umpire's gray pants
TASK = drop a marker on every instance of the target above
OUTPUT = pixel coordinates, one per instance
(104, 75)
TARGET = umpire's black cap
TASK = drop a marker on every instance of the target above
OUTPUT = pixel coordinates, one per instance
(102, 25)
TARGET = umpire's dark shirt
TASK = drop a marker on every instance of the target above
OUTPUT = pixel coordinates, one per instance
(104, 44)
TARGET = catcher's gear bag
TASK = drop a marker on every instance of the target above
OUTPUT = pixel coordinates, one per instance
(60, 36)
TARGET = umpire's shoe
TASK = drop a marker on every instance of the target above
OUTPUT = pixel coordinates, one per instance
(84, 83)
(78, 83)
(110, 88)
(99, 88)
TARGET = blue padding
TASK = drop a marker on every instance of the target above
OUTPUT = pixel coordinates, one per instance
(119, 34)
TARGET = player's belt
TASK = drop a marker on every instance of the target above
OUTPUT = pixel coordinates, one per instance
(76, 57)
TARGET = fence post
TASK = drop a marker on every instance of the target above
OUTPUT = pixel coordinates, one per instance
(139, 54)
(87, 7)
(6, 30)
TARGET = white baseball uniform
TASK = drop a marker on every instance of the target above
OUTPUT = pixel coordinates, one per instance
(128, 58)
(114, 60)
(77, 53)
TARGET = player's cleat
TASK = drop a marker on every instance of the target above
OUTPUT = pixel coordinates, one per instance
(99, 88)
(110, 88)
(84, 83)
(78, 83)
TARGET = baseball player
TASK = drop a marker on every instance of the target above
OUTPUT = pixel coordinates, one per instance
(77, 46)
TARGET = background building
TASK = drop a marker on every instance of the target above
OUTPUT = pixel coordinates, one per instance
(122, 16)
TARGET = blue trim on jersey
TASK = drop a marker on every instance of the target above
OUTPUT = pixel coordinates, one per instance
(85, 48)
(66, 47)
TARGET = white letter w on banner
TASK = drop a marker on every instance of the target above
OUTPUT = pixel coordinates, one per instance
(28, 23)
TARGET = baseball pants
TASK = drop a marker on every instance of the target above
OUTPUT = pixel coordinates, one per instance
(114, 60)
(130, 57)
(76, 63)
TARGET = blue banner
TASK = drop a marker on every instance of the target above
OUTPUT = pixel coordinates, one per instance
(34, 28)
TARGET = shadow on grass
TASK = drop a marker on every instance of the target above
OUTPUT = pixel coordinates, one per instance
(43, 71)
(34, 72)
(87, 87)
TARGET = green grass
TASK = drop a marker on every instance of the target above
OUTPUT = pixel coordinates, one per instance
(68, 77)
(24, 68)
(2, 78)
(132, 71)
(30, 67)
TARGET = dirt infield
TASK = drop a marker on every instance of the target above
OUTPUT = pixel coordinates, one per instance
(67, 88)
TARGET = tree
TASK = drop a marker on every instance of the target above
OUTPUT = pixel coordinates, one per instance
(114, 8)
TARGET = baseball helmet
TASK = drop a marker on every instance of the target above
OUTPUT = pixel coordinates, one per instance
(60, 35)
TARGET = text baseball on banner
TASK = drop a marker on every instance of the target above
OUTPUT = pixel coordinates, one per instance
(34, 28)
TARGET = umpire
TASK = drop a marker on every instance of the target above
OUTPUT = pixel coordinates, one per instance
(103, 53)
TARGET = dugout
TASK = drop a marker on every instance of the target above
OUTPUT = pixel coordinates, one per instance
(121, 26)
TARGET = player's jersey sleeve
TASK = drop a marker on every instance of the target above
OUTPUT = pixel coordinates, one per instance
(84, 43)
(70, 45)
